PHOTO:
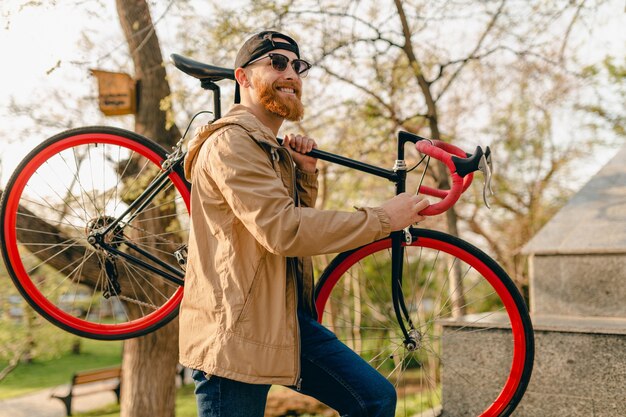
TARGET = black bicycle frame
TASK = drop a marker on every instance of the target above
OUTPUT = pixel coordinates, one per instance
(174, 275)
(397, 175)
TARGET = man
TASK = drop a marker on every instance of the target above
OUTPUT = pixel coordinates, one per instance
(247, 318)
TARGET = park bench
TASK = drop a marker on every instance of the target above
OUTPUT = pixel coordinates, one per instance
(112, 375)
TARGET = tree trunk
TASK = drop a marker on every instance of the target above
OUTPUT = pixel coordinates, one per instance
(149, 362)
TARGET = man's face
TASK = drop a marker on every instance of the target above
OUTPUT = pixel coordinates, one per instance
(278, 92)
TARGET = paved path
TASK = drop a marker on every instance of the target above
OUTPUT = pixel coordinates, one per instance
(39, 404)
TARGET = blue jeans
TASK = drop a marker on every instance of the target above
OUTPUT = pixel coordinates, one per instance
(330, 372)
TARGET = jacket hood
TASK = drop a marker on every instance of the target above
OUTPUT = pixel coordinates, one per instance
(238, 115)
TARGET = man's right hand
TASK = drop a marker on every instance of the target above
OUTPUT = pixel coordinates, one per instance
(403, 210)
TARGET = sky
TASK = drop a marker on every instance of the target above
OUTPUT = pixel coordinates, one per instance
(32, 41)
(39, 48)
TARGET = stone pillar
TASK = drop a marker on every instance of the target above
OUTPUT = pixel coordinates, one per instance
(578, 308)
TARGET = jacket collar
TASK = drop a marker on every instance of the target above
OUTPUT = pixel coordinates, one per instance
(238, 115)
(241, 115)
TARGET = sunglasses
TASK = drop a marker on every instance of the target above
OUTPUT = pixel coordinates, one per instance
(279, 63)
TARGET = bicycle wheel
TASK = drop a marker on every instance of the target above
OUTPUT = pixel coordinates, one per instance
(76, 183)
(454, 293)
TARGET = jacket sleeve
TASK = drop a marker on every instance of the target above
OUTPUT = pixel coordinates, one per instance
(307, 187)
(244, 175)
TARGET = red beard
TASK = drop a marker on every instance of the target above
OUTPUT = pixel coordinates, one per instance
(288, 107)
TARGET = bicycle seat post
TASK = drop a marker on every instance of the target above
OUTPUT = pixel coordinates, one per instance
(217, 103)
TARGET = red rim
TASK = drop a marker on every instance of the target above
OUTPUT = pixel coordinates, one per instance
(519, 341)
(33, 292)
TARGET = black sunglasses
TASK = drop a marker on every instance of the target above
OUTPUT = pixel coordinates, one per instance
(279, 63)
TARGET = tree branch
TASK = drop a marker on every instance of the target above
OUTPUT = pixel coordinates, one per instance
(417, 69)
(490, 26)
(379, 99)
(569, 30)
(463, 61)
(341, 45)
(346, 15)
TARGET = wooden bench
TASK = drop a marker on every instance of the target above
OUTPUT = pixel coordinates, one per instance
(113, 374)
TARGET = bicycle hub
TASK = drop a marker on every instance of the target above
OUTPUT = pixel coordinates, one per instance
(96, 238)
(414, 341)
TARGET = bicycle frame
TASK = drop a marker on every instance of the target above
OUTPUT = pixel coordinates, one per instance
(397, 175)
(96, 238)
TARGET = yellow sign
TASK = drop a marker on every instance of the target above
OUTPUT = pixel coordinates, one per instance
(117, 93)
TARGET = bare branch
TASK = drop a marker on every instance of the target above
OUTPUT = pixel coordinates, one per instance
(378, 98)
(488, 29)
(352, 42)
(348, 16)
(463, 61)
(417, 71)
(569, 30)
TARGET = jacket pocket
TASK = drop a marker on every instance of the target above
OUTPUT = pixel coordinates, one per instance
(251, 293)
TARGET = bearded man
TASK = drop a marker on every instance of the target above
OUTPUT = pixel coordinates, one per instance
(247, 318)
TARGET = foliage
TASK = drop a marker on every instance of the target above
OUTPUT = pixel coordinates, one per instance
(54, 368)
(44, 353)
(607, 110)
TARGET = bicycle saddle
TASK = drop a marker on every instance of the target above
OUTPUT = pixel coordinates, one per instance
(201, 71)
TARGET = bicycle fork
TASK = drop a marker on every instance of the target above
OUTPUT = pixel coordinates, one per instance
(412, 336)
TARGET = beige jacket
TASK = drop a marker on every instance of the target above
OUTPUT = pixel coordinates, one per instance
(238, 315)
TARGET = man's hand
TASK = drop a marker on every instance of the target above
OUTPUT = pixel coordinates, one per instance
(403, 210)
(298, 145)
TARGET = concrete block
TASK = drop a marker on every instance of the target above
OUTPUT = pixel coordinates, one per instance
(580, 367)
(585, 286)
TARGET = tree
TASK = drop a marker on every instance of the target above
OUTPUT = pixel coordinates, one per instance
(149, 362)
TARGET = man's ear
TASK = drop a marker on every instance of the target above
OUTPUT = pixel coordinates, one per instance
(242, 77)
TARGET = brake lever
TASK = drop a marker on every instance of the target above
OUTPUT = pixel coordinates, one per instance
(490, 165)
(485, 166)
(488, 156)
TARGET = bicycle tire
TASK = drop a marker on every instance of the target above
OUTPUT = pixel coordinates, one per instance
(70, 185)
(354, 301)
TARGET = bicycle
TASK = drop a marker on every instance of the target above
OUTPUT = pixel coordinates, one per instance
(94, 220)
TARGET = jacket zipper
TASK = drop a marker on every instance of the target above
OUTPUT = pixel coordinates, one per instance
(298, 379)
(299, 347)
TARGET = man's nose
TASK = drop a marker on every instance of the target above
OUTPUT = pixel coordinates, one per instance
(290, 73)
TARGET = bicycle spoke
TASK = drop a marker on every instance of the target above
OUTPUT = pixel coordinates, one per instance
(76, 180)
(438, 288)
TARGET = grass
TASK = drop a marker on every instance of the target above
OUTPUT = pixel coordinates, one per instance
(49, 372)
(185, 405)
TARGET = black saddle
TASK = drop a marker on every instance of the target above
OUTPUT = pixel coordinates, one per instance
(204, 72)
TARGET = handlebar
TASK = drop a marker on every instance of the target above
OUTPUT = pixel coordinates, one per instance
(461, 167)
(460, 164)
